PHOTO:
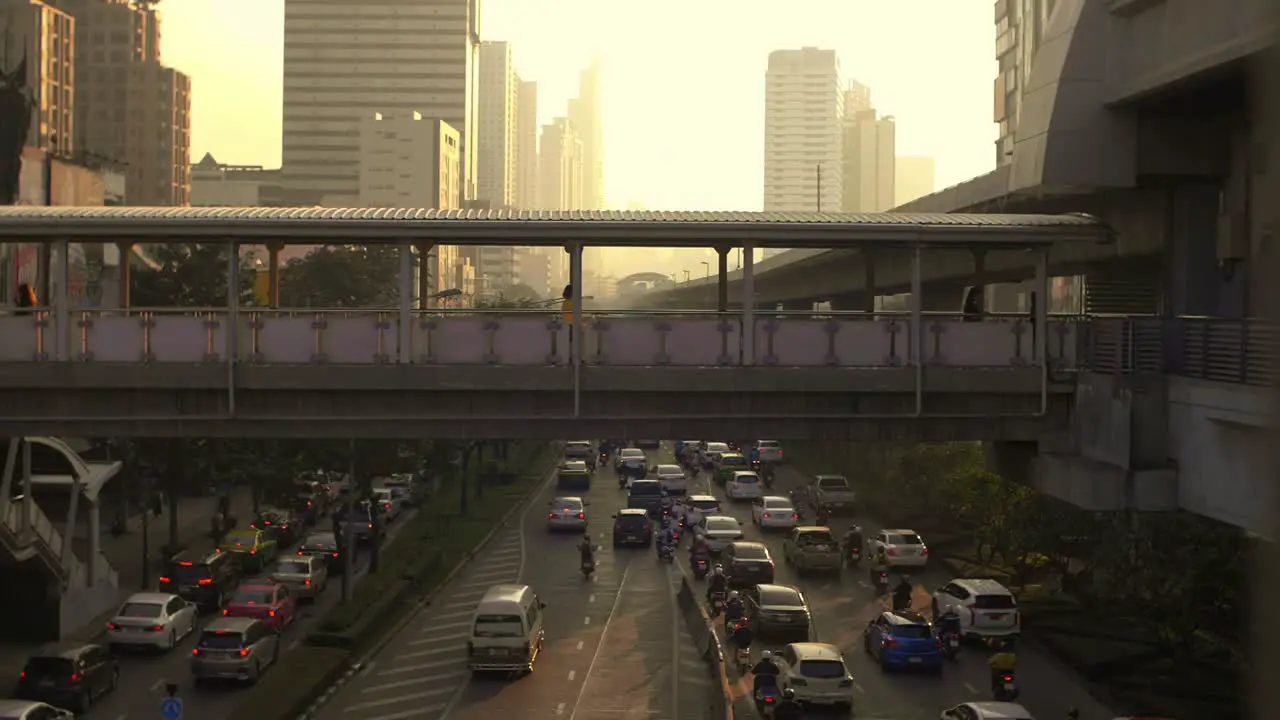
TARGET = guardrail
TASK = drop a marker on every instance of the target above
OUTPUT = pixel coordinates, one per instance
(704, 637)
(1234, 350)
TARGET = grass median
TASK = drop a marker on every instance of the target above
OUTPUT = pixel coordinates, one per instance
(411, 567)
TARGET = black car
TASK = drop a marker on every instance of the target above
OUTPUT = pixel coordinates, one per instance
(69, 675)
(325, 545)
(646, 494)
(747, 564)
(283, 526)
(204, 578)
(632, 526)
(777, 610)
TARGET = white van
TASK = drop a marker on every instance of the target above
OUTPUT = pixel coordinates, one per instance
(507, 631)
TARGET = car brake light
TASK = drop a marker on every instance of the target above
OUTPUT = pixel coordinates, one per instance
(891, 551)
(335, 554)
(253, 551)
(244, 652)
(299, 553)
(225, 612)
(937, 643)
(924, 552)
(386, 506)
(582, 516)
(75, 677)
(195, 652)
(766, 515)
(271, 613)
(206, 581)
(551, 516)
(112, 626)
(795, 516)
(164, 579)
(307, 582)
(157, 628)
(890, 642)
(22, 674)
(1007, 678)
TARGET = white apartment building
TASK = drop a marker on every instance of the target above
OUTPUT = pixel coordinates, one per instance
(497, 150)
(560, 167)
(527, 146)
(345, 60)
(804, 107)
(408, 161)
(1020, 26)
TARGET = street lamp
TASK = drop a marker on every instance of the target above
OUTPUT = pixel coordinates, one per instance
(707, 276)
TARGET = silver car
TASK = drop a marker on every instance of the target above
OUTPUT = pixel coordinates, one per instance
(306, 575)
(234, 648)
(567, 513)
(32, 710)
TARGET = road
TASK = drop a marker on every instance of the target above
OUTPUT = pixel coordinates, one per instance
(616, 646)
(143, 675)
(843, 604)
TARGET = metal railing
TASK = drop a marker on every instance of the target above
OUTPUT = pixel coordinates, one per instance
(1234, 350)
(36, 532)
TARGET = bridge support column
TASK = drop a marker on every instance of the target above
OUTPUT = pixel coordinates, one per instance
(27, 501)
(125, 248)
(233, 321)
(95, 541)
(405, 324)
(575, 333)
(424, 275)
(61, 299)
(77, 489)
(868, 282)
(748, 304)
(722, 276)
(273, 274)
(917, 327)
(975, 300)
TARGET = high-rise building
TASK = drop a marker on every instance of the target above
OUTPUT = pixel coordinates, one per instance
(1020, 26)
(497, 147)
(533, 268)
(560, 167)
(868, 155)
(408, 161)
(344, 60)
(527, 146)
(585, 114)
(214, 184)
(912, 179)
(44, 36)
(804, 105)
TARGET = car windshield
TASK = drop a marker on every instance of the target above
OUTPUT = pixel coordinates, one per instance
(995, 602)
(48, 667)
(751, 552)
(242, 537)
(632, 453)
(575, 466)
(822, 669)
(631, 522)
(907, 539)
(723, 523)
(294, 567)
(578, 444)
(252, 597)
(745, 478)
(833, 483)
(321, 540)
(382, 492)
(733, 461)
(270, 518)
(780, 597)
(912, 632)
(717, 447)
(190, 574)
(221, 640)
(816, 537)
(569, 505)
(777, 504)
(711, 504)
(140, 610)
(768, 443)
(670, 470)
(498, 626)
(646, 487)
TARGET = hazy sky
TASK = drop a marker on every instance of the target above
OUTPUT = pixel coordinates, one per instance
(684, 80)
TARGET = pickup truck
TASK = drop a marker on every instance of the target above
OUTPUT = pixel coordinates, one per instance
(832, 492)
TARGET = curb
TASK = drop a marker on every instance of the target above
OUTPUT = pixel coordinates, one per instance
(355, 667)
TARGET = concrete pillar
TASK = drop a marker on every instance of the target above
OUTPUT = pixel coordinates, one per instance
(61, 299)
(722, 277)
(748, 304)
(405, 321)
(95, 542)
(10, 469)
(424, 275)
(980, 280)
(868, 282)
(233, 318)
(28, 502)
(77, 489)
(125, 248)
(575, 331)
(273, 274)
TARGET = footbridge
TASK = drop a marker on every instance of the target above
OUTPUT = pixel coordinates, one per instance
(418, 371)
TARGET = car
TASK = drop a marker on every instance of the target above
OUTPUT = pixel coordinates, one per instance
(205, 578)
(832, 492)
(306, 575)
(154, 620)
(718, 531)
(632, 526)
(816, 673)
(774, 511)
(391, 502)
(812, 547)
(573, 476)
(646, 494)
(252, 549)
(705, 504)
(576, 466)
(767, 451)
(414, 484)
(673, 479)
(281, 525)
(729, 464)
(903, 639)
(579, 449)
(364, 521)
(235, 648)
(747, 564)
(777, 610)
(985, 607)
(902, 548)
(273, 604)
(325, 545)
(743, 485)
(631, 462)
(567, 513)
(709, 455)
(32, 710)
(72, 675)
(990, 710)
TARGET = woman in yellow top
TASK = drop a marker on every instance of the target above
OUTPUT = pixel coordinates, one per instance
(566, 304)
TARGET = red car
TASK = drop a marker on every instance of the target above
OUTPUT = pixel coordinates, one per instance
(270, 603)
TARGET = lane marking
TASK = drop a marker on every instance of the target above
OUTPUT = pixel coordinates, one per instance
(417, 667)
(481, 583)
(675, 642)
(125, 717)
(559, 710)
(293, 645)
(580, 644)
(971, 688)
(586, 620)
(440, 639)
(434, 651)
(468, 604)
(368, 668)
(572, 674)
(420, 712)
(433, 628)
(395, 700)
(411, 681)
(591, 597)
(157, 684)
(859, 688)
(445, 616)
(617, 598)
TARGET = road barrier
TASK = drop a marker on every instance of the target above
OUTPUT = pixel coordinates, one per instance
(704, 636)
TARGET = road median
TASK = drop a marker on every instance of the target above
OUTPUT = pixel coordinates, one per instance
(705, 639)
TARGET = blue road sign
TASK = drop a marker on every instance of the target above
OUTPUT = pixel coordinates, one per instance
(171, 708)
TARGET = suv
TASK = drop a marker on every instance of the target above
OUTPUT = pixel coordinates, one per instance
(632, 526)
(234, 648)
(204, 578)
(985, 607)
(812, 548)
(70, 675)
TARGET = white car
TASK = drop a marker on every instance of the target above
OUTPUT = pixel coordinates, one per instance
(157, 620)
(32, 710)
(773, 511)
(902, 548)
(718, 531)
(769, 451)
(391, 502)
(631, 458)
(987, 710)
(743, 485)
(567, 513)
(673, 479)
(816, 673)
(706, 504)
(578, 449)
(985, 607)
(709, 456)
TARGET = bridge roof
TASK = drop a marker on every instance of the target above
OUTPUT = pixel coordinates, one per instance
(519, 227)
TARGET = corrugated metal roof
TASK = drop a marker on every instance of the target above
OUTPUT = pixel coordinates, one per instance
(539, 227)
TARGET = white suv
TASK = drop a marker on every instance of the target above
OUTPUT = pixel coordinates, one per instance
(817, 673)
(985, 607)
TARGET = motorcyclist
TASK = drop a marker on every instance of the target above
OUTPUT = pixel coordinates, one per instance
(788, 709)
(947, 622)
(699, 551)
(733, 609)
(1002, 663)
(742, 637)
(717, 582)
(764, 672)
(586, 550)
(668, 537)
(902, 594)
(823, 515)
(879, 565)
(853, 539)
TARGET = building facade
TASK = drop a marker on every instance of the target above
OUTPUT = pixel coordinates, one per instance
(343, 60)
(499, 108)
(214, 184)
(560, 167)
(527, 146)
(1020, 28)
(804, 107)
(533, 268)
(588, 122)
(45, 36)
(869, 162)
(913, 179)
(408, 161)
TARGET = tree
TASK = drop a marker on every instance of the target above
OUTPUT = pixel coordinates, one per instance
(501, 300)
(346, 276)
(520, 291)
(188, 275)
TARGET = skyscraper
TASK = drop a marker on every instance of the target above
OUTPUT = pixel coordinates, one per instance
(45, 37)
(869, 154)
(804, 106)
(343, 60)
(499, 103)
(560, 167)
(1020, 26)
(585, 114)
(913, 179)
(527, 146)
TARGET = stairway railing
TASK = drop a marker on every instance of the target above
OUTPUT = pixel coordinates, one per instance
(37, 536)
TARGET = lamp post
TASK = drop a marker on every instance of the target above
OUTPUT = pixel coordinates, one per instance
(706, 266)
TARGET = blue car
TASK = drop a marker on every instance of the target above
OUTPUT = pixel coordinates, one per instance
(903, 639)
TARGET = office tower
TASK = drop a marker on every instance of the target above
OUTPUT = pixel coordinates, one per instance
(560, 167)
(344, 60)
(913, 179)
(804, 105)
(527, 146)
(44, 37)
(408, 161)
(868, 154)
(129, 107)
(585, 114)
(496, 151)
(1020, 26)
(533, 268)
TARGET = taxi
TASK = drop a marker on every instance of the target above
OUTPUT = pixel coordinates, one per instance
(253, 549)
(729, 464)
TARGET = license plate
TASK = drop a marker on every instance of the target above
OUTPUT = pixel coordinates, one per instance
(632, 538)
(995, 616)
(914, 660)
(1008, 687)
(187, 588)
(820, 548)
(497, 651)
(753, 569)
(45, 683)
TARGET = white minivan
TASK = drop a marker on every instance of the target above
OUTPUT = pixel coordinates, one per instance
(507, 630)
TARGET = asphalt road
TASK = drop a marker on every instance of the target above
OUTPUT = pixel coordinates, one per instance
(842, 605)
(616, 646)
(143, 675)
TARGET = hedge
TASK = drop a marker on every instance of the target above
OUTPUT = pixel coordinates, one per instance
(289, 688)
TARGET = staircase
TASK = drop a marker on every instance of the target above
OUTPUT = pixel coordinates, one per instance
(38, 539)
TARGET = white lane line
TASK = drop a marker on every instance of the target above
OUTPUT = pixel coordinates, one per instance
(440, 638)
(410, 681)
(480, 583)
(433, 628)
(395, 700)
(294, 645)
(971, 688)
(126, 717)
(368, 668)
(600, 643)
(675, 641)
(572, 675)
(497, 568)
(591, 597)
(466, 604)
(559, 709)
(433, 651)
(419, 666)
(446, 616)
(419, 713)
(580, 644)
(586, 620)
(157, 684)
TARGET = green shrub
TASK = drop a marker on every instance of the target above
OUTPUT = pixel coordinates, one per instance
(287, 689)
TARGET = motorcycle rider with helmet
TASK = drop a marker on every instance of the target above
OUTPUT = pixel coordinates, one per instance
(853, 539)
(1002, 663)
(764, 673)
(902, 593)
(733, 609)
(879, 565)
(586, 550)
(717, 583)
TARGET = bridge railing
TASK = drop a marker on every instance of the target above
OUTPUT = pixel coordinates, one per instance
(535, 337)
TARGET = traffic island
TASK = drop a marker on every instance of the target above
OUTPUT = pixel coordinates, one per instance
(724, 704)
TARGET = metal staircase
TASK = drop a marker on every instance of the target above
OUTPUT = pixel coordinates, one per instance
(37, 538)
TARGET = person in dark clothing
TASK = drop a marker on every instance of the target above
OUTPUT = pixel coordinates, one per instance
(902, 594)
(26, 298)
(972, 304)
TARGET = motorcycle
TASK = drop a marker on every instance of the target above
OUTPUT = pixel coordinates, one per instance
(950, 645)
(666, 553)
(700, 567)
(717, 603)
(853, 555)
(882, 582)
(1005, 689)
(767, 698)
(588, 567)
(742, 656)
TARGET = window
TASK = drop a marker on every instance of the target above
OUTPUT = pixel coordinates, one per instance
(822, 669)
(495, 626)
(140, 610)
